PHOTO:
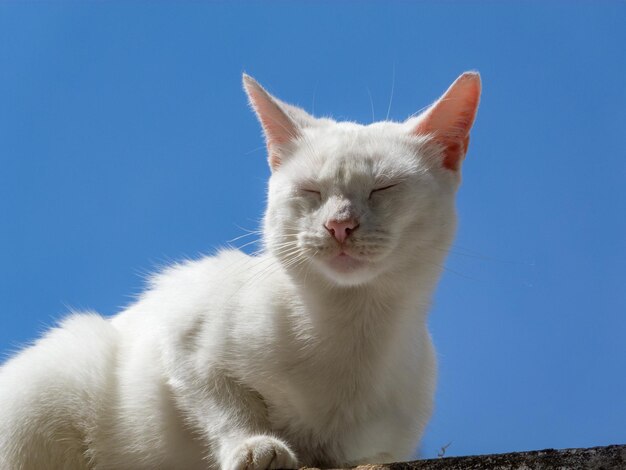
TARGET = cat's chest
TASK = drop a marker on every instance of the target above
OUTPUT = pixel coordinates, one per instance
(321, 413)
(328, 377)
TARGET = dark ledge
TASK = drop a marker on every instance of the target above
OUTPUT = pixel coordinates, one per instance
(593, 458)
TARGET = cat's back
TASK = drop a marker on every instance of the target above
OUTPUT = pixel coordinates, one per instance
(51, 395)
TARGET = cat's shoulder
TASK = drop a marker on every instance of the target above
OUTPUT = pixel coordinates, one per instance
(225, 264)
(186, 285)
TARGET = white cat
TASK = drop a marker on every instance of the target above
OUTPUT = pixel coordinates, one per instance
(314, 353)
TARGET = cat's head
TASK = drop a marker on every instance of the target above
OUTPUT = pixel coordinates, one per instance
(352, 202)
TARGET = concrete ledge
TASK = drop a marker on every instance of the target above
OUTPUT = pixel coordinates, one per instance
(593, 458)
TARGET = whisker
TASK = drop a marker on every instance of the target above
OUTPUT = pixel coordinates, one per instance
(393, 85)
(371, 104)
(240, 237)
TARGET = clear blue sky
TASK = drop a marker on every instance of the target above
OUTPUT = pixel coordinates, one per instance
(126, 142)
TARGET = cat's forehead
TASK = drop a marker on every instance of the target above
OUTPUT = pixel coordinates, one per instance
(349, 151)
(350, 136)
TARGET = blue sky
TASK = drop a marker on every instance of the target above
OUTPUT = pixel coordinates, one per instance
(126, 142)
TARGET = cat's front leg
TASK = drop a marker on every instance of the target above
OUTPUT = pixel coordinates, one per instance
(233, 418)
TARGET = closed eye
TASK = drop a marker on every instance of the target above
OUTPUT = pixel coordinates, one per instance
(311, 191)
(382, 189)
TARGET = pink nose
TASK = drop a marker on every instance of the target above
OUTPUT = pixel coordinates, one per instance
(341, 230)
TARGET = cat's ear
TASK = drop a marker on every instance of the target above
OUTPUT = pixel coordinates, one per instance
(450, 119)
(282, 123)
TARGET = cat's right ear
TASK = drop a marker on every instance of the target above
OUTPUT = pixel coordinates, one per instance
(281, 122)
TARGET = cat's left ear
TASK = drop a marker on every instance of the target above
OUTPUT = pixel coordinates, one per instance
(282, 123)
(450, 119)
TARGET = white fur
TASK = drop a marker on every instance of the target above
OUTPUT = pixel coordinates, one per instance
(271, 361)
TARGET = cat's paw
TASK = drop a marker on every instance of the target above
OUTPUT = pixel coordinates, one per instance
(260, 453)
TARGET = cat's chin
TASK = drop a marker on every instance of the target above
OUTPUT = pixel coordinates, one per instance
(346, 270)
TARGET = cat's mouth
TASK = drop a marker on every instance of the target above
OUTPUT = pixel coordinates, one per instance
(345, 262)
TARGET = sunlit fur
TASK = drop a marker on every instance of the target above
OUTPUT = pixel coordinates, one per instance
(288, 358)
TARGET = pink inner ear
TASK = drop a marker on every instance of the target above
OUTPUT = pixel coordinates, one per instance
(450, 119)
(278, 127)
(454, 153)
